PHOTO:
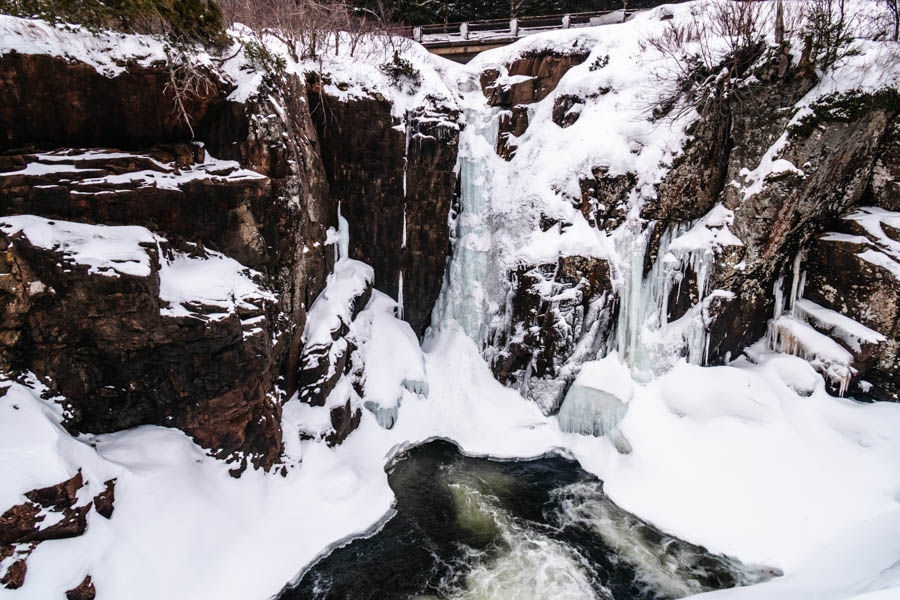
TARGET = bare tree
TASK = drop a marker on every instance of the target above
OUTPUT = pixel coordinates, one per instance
(516, 7)
(829, 31)
(707, 72)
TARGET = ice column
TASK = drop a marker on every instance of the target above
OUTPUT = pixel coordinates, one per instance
(343, 245)
(464, 298)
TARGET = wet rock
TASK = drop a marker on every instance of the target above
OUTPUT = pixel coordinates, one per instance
(567, 109)
(84, 591)
(104, 502)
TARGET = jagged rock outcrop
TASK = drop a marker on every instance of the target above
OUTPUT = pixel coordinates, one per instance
(536, 75)
(22, 527)
(83, 591)
(787, 182)
(559, 315)
(125, 364)
(833, 168)
(394, 180)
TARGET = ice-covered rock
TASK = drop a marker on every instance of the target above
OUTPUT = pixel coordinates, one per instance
(597, 401)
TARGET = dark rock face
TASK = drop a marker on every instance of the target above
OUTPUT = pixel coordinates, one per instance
(80, 107)
(560, 313)
(123, 363)
(785, 217)
(370, 158)
(730, 136)
(884, 187)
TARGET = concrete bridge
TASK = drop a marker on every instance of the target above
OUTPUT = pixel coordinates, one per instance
(460, 42)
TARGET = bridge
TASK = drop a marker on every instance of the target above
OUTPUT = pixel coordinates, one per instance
(461, 42)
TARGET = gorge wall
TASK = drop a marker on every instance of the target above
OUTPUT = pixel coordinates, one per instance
(115, 150)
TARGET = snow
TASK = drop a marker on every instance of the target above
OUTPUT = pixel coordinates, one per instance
(107, 250)
(348, 281)
(711, 231)
(112, 251)
(793, 336)
(42, 169)
(846, 329)
(754, 459)
(106, 51)
(391, 352)
(746, 466)
(215, 281)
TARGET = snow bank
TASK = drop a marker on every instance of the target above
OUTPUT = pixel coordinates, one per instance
(745, 466)
(106, 51)
(188, 284)
(107, 250)
(334, 306)
(214, 281)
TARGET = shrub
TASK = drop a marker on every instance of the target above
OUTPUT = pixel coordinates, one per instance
(829, 32)
(402, 72)
(262, 59)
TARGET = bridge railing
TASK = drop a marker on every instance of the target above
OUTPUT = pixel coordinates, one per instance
(511, 27)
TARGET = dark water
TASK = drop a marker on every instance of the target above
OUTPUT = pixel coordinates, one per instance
(472, 528)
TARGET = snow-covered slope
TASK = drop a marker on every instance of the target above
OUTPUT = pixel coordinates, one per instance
(754, 459)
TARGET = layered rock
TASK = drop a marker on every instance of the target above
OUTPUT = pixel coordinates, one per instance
(393, 177)
(126, 363)
(50, 513)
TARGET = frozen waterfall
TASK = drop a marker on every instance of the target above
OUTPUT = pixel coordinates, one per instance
(465, 297)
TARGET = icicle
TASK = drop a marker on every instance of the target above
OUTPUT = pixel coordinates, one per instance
(403, 243)
(778, 291)
(467, 296)
(406, 153)
(795, 283)
(342, 248)
(400, 297)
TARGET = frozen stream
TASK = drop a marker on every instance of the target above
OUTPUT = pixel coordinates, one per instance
(471, 528)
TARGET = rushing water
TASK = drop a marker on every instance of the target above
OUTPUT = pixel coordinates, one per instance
(469, 528)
